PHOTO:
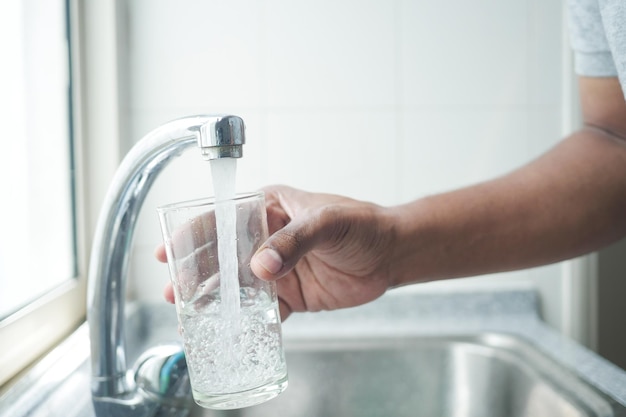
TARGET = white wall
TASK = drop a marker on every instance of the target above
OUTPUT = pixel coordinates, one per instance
(380, 100)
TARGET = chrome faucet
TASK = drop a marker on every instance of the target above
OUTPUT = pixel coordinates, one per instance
(116, 390)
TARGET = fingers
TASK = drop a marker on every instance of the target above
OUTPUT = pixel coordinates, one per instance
(160, 254)
(186, 239)
(168, 293)
(189, 238)
(267, 263)
(285, 310)
(195, 274)
(297, 221)
(198, 232)
(281, 251)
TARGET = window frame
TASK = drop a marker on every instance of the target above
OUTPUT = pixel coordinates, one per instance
(36, 328)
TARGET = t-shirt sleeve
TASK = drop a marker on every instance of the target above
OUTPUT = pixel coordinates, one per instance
(598, 38)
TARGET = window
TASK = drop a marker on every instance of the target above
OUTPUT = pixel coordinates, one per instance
(41, 295)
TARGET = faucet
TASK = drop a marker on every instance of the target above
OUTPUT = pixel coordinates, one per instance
(115, 390)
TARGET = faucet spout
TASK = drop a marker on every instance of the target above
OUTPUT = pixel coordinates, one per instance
(222, 138)
(113, 389)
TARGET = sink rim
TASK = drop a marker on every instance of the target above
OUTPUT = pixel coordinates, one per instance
(493, 326)
(502, 346)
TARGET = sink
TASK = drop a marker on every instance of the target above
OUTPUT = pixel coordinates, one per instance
(480, 375)
(416, 355)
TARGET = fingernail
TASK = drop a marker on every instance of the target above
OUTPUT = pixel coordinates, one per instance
(270, 260)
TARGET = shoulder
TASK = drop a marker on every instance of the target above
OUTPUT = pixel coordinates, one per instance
(598, 37)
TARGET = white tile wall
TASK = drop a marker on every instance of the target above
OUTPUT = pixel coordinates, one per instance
(335, 55)
(380, 100)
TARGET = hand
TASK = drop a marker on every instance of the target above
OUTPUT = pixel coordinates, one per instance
(192, 246)
(325, 251)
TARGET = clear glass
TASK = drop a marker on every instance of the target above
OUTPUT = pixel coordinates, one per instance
(37, 251)
(233, 347)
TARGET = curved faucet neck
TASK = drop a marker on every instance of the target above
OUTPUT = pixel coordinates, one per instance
(113, 238)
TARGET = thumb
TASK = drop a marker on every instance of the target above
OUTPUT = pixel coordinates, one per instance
(282, 251)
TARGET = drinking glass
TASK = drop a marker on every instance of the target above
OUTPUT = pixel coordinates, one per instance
(229, 318)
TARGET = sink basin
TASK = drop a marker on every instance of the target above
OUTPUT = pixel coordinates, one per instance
(461, 376)
(428, 355)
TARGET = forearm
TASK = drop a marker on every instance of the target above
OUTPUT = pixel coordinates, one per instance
(570, 201)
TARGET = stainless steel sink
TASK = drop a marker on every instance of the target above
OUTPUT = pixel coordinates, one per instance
(435, 356)
(457, 376)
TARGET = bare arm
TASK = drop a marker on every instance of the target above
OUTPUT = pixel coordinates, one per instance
(329, 252)
(570, 201)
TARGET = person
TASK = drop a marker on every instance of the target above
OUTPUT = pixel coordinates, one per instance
(328, 251)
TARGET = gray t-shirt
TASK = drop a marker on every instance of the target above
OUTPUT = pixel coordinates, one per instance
(598, 38)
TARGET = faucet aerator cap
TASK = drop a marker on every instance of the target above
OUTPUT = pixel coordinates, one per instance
(222, 137)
